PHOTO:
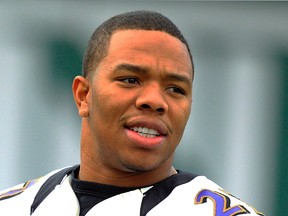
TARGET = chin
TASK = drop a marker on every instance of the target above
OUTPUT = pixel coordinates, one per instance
(138, 168)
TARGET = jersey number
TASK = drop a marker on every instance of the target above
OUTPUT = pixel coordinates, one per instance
(221, 203)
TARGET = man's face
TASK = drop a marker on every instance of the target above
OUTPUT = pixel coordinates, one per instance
(139, 101)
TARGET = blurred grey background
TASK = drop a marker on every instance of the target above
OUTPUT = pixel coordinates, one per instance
(237, 134)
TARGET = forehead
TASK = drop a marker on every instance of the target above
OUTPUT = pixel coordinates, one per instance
(139, 46)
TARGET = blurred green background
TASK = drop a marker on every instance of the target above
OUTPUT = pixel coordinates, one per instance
(237, 134)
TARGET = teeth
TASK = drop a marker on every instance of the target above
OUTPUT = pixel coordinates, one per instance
(146, 132)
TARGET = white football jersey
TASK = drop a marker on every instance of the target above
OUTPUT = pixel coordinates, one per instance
(184, 193)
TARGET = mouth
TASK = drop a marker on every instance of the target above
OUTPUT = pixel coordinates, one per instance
(145, 132)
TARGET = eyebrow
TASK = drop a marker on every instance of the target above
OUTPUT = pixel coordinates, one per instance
(131, 68)
(143, 70)
(179, 78)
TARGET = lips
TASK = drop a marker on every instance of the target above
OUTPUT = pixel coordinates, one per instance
(146, 133)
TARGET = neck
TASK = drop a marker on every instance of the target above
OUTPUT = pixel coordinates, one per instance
(124, 178)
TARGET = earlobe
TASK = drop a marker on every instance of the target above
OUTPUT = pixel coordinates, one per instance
(80, 90)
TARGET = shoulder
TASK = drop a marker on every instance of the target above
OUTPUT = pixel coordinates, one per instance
(23, 187)
(20, 197)
(221, 200)
(201, 196)
(17, 189)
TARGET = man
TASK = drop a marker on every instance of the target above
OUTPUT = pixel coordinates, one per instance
(134, 99)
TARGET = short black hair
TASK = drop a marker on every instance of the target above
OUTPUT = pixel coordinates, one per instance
(138, 20)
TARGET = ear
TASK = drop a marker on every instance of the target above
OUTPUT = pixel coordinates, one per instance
(80, 90)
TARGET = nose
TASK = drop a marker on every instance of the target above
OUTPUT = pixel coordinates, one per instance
(152, 99)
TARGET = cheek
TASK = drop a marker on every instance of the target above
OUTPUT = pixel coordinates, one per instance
(182, 111)
(102, 118)
(108, 106)
(181, 116)
(102, 106)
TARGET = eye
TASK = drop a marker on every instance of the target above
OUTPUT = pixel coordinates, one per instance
(176, 90)
(129, 80)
